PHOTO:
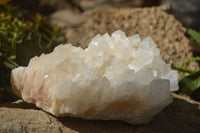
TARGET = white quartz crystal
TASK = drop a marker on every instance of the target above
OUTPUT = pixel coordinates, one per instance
(115, 78)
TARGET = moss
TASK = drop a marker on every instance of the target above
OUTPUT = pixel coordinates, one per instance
(22, 36)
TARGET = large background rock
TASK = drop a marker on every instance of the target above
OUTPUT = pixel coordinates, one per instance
(165, 30)
(19, 117)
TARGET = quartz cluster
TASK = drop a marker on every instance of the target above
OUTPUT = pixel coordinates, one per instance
(115, 78)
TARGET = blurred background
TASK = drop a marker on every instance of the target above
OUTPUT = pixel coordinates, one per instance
(187, 11)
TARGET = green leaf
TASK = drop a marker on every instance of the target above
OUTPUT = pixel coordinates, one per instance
(188, 61)
(23, 36)
(189, 84)
(29, 48)
(183, 69)
(194, 34)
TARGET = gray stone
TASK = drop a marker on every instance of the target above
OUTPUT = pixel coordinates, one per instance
(66, 18)
(21, 117)
(183, 115)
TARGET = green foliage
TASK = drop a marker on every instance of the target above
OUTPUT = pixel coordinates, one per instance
(190, 60)
(189, 84)
(194, 34)
(12, 32)
(21, 38)
(185, 63)
(183, 69)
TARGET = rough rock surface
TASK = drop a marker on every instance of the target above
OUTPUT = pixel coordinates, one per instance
(163, 28)
(20, 117)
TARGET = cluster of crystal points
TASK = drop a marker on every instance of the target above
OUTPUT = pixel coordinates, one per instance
(115, 78)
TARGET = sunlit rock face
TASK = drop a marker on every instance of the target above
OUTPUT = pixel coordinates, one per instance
(115, 78)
